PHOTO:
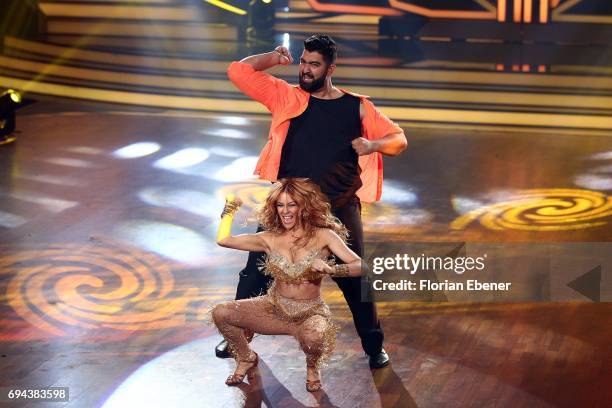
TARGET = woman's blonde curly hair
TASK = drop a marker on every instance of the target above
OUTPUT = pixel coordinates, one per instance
(314, 209)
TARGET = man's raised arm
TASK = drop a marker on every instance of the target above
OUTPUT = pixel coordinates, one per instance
(261, 62)
(248, 76)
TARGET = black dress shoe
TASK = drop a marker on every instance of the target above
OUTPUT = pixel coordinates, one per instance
(7, 139)
(379, 360)
(222, 350)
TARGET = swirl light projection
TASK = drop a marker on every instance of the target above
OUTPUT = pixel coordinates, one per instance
(252, 194)
(96, 286)
(542, 210)
(392, 219)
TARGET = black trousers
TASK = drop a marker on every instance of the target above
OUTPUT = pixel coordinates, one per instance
(254, 283)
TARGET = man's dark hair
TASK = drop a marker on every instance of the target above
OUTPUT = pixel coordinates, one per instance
(324, 45)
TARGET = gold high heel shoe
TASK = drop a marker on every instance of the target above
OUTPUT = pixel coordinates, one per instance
(236, 379)
(313, 385)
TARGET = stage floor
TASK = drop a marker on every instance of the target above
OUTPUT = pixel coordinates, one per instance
(108, 265)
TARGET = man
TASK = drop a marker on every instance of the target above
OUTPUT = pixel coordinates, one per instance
(331, 136)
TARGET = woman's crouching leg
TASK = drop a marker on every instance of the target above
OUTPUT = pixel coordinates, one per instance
(317, 337)
(227, 318)
(255, 315)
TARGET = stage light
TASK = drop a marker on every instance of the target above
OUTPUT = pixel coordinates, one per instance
(234, 120)
(9, 101)
(226, 6)
(238, 170)
(136, 150)
(183, 158)
(15, 97)
(228, 133)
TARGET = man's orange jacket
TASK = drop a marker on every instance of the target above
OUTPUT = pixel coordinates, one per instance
(285, 102)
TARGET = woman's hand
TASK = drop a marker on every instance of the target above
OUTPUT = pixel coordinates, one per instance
(232, 203)
(231, 198)
(320, 265)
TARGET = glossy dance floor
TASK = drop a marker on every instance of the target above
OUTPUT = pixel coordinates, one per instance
(108, 265)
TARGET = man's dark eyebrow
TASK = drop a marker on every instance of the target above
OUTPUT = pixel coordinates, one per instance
(309, 62)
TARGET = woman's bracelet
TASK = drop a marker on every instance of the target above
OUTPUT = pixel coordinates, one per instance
(341, 270)
(230, 208)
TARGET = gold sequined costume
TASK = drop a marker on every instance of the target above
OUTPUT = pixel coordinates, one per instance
(308, 320)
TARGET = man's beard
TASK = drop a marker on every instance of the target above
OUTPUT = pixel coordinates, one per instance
(314, 85)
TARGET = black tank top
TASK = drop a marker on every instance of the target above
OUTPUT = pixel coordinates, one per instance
(318, 146)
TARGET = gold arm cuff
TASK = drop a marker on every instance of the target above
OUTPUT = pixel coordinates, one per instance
(230, 208)
(341, 270)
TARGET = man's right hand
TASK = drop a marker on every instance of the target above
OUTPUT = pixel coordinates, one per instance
(284, 56)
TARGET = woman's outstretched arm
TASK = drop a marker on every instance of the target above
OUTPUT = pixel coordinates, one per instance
(245, 242)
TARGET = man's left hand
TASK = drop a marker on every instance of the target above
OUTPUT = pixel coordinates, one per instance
(363, 146)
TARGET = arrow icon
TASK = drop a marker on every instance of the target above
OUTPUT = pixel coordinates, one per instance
(588, 285)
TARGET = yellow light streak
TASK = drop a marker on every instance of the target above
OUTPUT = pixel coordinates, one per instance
(228, 7)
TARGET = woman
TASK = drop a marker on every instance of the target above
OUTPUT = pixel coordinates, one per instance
(300, 234)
